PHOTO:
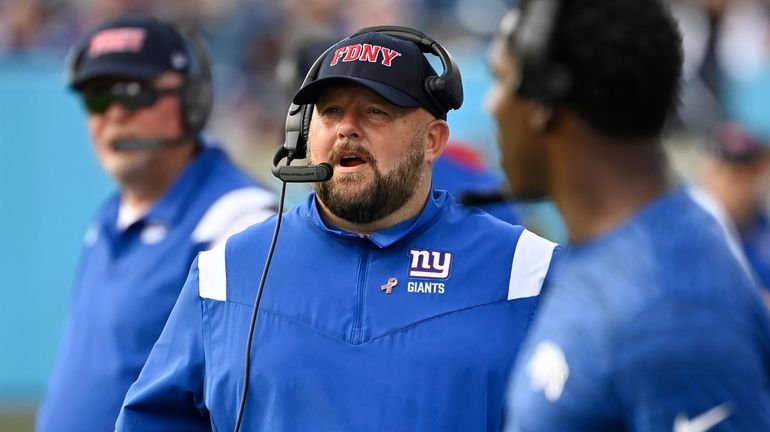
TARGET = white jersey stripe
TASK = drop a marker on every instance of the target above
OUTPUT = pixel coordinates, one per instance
(232, 213)
(531, 261)
(212, 277)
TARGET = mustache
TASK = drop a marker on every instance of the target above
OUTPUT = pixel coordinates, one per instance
(351, 147)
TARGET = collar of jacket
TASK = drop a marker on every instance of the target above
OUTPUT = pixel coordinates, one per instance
(437, 200)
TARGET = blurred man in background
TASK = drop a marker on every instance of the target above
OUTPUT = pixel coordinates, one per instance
(147, 90)
(651, 323)
(737, 174)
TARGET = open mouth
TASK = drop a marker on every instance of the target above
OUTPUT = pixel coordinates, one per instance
(349, 160)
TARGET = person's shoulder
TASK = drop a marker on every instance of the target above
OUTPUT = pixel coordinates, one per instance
(697, 255)
(258, 236)
(230, 199)
(232, 212)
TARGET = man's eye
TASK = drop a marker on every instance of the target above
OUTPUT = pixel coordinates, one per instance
(330, 110)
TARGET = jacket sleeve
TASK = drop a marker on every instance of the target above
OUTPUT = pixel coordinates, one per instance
(685, 366)
(168, 395)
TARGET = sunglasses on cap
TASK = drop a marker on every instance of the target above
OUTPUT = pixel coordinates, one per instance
(131, 94)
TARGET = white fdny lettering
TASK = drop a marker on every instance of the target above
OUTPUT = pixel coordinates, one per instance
(366, 52)
(425, 287)
(429, 264)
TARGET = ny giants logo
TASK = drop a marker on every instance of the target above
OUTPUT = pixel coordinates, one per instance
(125, 39)
(366, 52)
(429, 264)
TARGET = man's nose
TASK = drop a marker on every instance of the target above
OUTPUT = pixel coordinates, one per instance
(349, 125)
(116, 110)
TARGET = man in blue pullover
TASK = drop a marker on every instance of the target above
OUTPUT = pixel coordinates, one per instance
(387, 306)
(147, 90)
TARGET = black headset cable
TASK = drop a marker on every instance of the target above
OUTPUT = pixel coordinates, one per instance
(255, 311)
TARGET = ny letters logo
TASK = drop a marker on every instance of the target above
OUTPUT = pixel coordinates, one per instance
(429, 264)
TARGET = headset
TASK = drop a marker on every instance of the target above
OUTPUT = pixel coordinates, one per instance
(445, 92)
(196, 95)
(541, 78)
(197, 91)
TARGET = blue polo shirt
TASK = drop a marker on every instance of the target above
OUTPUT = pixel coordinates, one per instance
(128, 281)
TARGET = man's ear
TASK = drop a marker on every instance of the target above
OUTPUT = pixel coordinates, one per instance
(540, 117)
(436, 138)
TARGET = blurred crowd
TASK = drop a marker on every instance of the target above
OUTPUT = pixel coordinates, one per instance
(727, 43)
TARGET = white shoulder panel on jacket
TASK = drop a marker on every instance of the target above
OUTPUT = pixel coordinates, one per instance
(212, 276)
(531, 261)
(232, 213)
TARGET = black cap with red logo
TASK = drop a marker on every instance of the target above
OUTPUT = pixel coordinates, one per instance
(394, 68)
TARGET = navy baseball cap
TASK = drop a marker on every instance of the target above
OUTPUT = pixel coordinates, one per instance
(394, 68)
(131, 47)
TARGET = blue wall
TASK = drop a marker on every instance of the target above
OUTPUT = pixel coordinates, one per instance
(50, 185)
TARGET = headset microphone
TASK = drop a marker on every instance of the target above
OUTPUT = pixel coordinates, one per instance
(300, 174)
(295, 147)
(304, 174)
(129, 144)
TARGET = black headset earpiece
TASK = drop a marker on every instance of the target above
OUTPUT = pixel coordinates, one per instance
(445, 90)
(197, 97)
(540, 77)
(72, 61)
(298, 118)
(295, 139)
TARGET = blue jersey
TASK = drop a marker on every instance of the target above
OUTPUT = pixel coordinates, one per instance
(128, 282)
(411, 328)
(654, 326)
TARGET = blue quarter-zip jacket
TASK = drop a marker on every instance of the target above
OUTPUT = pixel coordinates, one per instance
(413, 328)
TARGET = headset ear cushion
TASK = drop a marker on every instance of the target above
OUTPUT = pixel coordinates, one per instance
(557, 82)
(197, 101)
(197, 96)
(307, 114)
(446, 98)
(73, 63)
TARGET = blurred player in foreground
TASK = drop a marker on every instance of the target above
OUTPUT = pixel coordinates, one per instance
(651, 323)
